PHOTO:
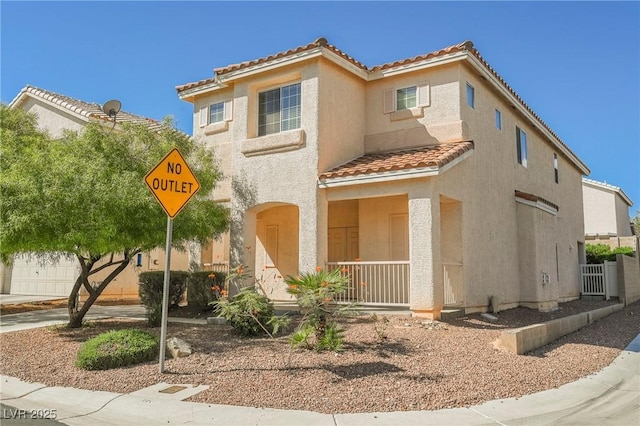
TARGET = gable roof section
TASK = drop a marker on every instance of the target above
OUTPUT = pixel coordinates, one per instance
(609, 188)
(82, 109)
(408, 163)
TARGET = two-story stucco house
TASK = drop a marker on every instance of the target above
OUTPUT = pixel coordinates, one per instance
(429, 180)
(55, 114)
(606, 215)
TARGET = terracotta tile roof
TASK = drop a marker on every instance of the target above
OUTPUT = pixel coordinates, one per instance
(431, 156)
(86, 109)
(321, 42)
(466, 45)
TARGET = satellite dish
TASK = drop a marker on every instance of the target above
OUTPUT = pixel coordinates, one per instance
(112, 107)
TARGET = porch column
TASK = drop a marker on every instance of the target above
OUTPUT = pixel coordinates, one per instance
(426, 292)
(309, 224)
(242, 244)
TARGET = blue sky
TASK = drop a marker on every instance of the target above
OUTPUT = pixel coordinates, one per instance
(577, 64)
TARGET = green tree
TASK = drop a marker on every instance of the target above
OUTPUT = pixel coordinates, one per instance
(83, 195)
(635, 221)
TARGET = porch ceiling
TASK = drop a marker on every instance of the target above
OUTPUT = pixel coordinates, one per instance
(433, 158)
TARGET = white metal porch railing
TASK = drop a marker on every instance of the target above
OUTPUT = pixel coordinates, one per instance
(453, 288)
(375, 283)
(217, 267)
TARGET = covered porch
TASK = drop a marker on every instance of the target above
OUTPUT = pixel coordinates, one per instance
(394, 230)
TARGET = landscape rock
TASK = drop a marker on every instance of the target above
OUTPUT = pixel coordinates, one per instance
(178, 348)
(489, 318)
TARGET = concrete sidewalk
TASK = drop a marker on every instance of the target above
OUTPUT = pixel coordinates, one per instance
(609, 397)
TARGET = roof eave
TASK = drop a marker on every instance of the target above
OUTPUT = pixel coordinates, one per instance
(420, 65)
(189, 95)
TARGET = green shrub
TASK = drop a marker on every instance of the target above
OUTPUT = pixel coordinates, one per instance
(598, 253)
(204, 288)
(150, 289)
(251, 313)
(115, 349)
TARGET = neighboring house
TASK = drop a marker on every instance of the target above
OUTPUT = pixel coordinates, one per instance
(27, 276)
(606, 215)
(428, 179)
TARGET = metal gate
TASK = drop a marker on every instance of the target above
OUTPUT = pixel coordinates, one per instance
(600, 280)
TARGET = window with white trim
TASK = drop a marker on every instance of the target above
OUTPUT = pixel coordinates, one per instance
(556, 174)
(521, 146)
(471, 96)
(279, 109)
(216, 112)
(406, 98)
(498, 119)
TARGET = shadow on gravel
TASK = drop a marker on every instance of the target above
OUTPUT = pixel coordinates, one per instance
(357, 371)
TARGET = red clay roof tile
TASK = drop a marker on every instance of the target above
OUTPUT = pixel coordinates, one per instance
(431, 156)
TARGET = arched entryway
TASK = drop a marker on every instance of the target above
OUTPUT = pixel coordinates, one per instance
(276, 248)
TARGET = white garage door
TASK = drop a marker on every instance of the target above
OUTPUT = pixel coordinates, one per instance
(30, 277)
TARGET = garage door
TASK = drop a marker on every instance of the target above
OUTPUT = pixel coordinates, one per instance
(30, 277)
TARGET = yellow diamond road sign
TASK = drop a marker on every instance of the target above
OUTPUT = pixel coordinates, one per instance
(172, 182)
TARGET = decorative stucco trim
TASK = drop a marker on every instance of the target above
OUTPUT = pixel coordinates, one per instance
(406, 114)
(537, 202)
(277, 142)
(213, 128)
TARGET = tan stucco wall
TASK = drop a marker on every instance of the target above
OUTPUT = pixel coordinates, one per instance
(440, 120)
(628, 278)
(599, 211)
(341, 116)
(125, 285)
(53, 120)
(605, 212)
(375, 232)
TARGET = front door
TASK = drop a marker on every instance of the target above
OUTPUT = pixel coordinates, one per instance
(343, 244)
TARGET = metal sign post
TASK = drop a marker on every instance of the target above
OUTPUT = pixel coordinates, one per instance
(173, 184)
(165, 294)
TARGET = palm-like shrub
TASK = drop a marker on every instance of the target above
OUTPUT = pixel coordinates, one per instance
(316, 294)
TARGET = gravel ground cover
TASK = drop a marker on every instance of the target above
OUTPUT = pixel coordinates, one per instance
(401, 364)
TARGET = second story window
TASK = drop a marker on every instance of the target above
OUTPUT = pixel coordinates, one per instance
(471, 96)
(498, 119)
(216, 112)
(279, 110)
(521, 146)
(555, 168)
(406, 98)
